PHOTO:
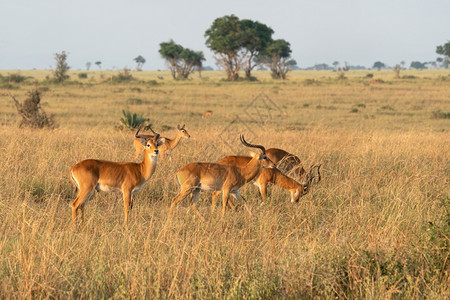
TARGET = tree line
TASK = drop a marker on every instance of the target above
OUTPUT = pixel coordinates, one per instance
(243, 45)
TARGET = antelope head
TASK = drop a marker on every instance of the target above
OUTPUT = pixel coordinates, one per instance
(183, 131)
(306, 185)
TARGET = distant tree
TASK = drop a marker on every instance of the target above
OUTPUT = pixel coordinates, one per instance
(277, 57)
(225, 38)
(140, 62)
(335, 65)
(444, 50)
(88, 65)
(181, 61)
(257, 37)
(397, 68)
(417, 65)
(378, 65)
(99, 64)
(62, 67)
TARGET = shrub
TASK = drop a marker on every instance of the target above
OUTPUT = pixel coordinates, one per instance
(16, 78)
(82, 75)
(31, 112)
(369, 75)
(438, 114)
(132, 120)
(124, 76)
(62, 67)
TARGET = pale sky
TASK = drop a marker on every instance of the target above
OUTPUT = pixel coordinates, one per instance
(320, 31)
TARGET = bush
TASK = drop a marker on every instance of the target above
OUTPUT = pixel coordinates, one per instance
(124, 76)
(31, 112)
(82, 75)
(16, 78)
(132, 120)
(438, 114)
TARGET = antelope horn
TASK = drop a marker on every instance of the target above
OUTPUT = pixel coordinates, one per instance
(156, 134)
(311, 176)
(137, 133)
(243, 141)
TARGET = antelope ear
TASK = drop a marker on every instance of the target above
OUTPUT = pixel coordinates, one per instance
(161, 141)
(252, 154)
(143, 141)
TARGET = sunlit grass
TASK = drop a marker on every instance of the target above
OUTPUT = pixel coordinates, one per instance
(376, 226)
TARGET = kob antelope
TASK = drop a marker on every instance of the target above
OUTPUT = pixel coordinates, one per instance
(128, 177)
(274, 176)
(168, 145)
(286, 162)
(207, 113)
(205, 176)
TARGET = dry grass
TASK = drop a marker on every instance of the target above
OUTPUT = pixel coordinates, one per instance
(377, 226)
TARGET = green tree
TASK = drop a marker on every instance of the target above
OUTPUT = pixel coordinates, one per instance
(257, 37)
(181, 61)
(99, 64)
(444, 50)
(277, 56)
(417, 65)
(378, 65)
(140, 60)
(226, 38)
(62, 67)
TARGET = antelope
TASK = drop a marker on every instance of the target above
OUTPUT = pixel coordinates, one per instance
(275, 177)
(129, 177)
(228, 179)
(207, 114)
(168, 145)
(286, 162)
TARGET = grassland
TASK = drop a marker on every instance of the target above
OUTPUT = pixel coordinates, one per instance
(377, 226)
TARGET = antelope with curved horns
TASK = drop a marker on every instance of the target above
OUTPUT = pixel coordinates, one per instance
(276, 177)
(168, 145)
(287, 163)
(206, 176)
(129, 177)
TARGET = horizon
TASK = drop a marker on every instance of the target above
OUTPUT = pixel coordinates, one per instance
(357, 32)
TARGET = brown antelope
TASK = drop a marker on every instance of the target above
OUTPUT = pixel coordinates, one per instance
(286, 162)
(274, 176)
(168, 145)
(228, 179)
(128, 177)
(207, 114)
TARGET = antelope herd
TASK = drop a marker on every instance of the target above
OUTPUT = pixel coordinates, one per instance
(226, 176)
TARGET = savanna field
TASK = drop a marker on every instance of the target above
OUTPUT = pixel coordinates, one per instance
(376, 226)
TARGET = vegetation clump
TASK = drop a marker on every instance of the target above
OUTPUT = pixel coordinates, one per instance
(131, 120)
(32, 113)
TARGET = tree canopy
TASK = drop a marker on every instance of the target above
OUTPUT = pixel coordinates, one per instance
(181, 61)
(277, 56)
(237, 44)
(378, 65)
(444, 50)
(140, 60)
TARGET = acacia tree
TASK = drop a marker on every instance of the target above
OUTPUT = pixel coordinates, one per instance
(277, 56)
(225, 38)
(62, 67)
(444, 50)
(99, 64)
(378, 65)
(181, 61)
(140, 60)
(237, 44)
(257, 37)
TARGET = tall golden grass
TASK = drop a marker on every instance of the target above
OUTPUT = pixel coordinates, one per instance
(376, 226)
